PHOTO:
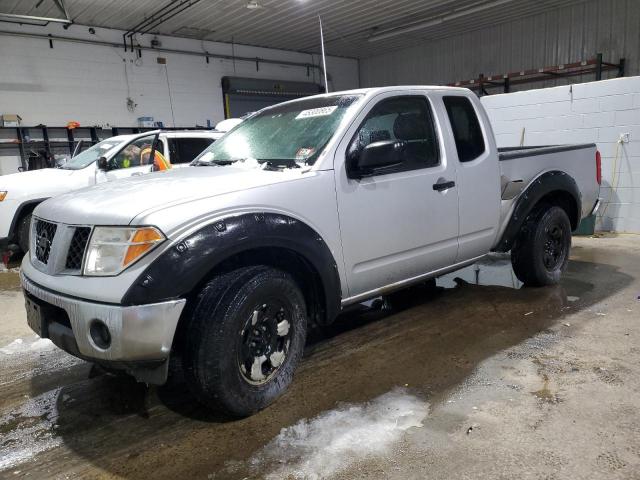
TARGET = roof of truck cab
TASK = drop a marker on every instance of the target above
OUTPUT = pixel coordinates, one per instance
(372, 91)
(398, 88)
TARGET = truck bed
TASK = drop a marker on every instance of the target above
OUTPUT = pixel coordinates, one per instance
(519, 166)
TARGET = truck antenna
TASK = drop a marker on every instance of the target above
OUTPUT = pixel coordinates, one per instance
(324, 59)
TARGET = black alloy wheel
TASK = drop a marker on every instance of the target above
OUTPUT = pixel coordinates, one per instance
(265, 340)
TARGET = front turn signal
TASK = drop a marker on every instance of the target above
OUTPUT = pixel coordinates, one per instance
(143, 241)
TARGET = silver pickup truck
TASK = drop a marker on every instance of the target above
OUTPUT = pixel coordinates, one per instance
(304, 209)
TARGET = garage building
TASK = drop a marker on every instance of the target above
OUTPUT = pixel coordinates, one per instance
(469, 372)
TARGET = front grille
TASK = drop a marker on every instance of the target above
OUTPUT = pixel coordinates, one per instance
(45, 232)
(77, 247)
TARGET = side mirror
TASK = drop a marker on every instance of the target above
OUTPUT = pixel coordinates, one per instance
(376, 155)
(103, 164)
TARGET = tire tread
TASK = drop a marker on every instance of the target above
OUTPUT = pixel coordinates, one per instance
(203, 370)
(524, 255)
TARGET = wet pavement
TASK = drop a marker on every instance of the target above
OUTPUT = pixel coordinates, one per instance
(477, 378)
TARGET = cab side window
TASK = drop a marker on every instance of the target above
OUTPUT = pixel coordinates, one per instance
(408, 122)
(133, 155)
(466, 128)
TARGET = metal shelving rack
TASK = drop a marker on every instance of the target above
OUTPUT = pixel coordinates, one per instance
(60, 140)
(505, 81)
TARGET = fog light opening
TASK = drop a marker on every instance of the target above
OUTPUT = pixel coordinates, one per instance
(100, 334)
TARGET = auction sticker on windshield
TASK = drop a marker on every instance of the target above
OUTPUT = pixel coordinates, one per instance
(317, 112)
(304, 153)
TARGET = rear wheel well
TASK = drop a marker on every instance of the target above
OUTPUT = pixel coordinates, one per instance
(303, 272)
(564, 200)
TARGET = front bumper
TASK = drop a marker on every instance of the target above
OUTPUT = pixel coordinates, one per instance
(141, 333)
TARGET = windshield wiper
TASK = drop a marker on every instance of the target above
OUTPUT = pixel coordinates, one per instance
(279, 163)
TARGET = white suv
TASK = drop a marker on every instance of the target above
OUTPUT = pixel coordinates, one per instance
(120, 157)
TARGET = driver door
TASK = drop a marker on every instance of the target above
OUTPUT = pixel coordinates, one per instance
(397, 222)
(130, 161)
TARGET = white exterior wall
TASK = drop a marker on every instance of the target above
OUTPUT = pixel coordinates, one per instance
(87, 83)
(597, 112)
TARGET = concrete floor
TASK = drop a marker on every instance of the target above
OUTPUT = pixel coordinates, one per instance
(475, 381)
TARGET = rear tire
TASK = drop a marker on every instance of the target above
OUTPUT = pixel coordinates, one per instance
(245, 337)
(22, 232)
(541, 251)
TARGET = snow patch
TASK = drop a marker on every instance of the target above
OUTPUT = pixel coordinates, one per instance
(333, 441)
(42, 344)
(29, 430)
(21, 345)
(4, 269)
(13, 347)
(249, 164)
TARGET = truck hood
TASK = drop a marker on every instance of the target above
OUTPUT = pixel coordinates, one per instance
(37, 183)
(119, 202)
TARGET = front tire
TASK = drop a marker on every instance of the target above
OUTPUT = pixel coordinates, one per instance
(244, 339)
(541, 251)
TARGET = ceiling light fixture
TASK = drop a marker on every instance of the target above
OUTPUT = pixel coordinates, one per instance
(412, 27)
(254, 5)
(28, 18)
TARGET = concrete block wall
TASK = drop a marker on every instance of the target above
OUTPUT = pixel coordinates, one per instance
(599, 112)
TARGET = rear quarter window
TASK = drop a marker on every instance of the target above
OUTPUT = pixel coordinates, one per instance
(467, 132)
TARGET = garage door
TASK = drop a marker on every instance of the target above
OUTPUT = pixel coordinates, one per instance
(246, 95)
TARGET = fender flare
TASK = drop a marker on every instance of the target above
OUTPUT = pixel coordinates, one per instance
(545, 184)
(183, 266)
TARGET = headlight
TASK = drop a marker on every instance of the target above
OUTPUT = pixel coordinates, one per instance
(113, 249)
(3, 195)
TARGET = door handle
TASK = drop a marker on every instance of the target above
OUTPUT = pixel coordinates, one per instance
(443, 185)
